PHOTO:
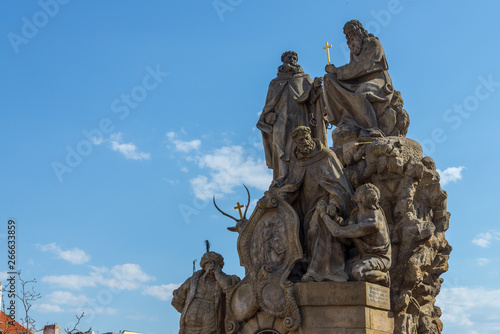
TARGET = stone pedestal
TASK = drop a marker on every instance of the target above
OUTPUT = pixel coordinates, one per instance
(344, 308)
(332, 308)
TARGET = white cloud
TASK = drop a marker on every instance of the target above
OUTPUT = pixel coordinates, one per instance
(63, 301)
(484, 239)
(54, 308)
(170, 181)
(97, 140)
(451, 174)
(122, 277)
(482, 261)
(75, 282)
(128, 150)
(228, 167)
(183, 146)
(65, 298)
(74, 256)
(466, 310)
(48, 308)
(161, 292)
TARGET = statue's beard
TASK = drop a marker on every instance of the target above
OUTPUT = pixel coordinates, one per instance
(289, 68)
(355, 46)
(306, 148)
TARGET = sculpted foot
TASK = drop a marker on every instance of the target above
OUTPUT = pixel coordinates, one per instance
(307, 278)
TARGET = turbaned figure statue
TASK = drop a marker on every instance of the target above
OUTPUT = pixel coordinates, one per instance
(201, 298)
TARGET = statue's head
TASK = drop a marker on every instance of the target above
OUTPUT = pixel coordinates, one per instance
(355, 35)
(367, 195)
(302, 137)
(290, 57)
(212, 257)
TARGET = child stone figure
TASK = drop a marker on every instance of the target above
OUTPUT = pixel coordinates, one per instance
(367, 227)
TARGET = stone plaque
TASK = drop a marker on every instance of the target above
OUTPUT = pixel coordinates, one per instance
(378, 296)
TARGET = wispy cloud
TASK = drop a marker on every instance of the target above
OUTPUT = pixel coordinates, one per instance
(466, 310)
(183, 146)
(64, 301)
(483, 261)
(74, 256)
(65, 298)
(122, 277)
(450, 174)
(484, 239)
(129, 150)
(227, 168)
(161, 292)
(48, 308)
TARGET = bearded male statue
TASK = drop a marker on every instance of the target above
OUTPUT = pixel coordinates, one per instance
(201, 298)
(360, 94)
(316, 175)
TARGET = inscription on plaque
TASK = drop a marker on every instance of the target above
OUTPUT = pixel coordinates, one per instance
(378, 296)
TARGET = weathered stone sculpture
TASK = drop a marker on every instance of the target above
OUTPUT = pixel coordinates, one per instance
(291, 101)
(367, 228)
(360, 94)
(314, 264)
(201, 298)
(317, 175)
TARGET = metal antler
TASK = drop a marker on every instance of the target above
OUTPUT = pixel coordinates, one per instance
(225, 214)
(248, 203)
(238, 221)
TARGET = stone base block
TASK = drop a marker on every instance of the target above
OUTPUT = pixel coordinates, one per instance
(333, 308)
(344, 308)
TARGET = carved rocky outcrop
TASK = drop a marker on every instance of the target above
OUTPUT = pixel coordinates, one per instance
(415, 207)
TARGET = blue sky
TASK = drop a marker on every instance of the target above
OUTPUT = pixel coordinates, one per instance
(119, 120)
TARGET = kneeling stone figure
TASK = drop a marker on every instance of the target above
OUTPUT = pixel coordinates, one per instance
(367, 228)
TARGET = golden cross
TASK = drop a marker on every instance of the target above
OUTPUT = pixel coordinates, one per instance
(238, 207)
(363, 142)
(327, 47)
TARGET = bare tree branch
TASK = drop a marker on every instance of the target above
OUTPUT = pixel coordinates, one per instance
(75, 329)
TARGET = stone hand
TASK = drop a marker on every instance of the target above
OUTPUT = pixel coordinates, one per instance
(322, 208)
(317, 82)
(210, 267)
(217, 268)
(331, 69)
(270, 118)
(331, 210)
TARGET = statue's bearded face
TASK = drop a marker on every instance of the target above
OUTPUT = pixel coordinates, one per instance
(354, 42)
(305, 144)
(290, 58)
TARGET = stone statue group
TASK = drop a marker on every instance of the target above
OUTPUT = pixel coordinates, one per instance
(318, 221)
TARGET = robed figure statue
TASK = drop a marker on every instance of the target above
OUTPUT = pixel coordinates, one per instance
(360, 94)
(293, 99)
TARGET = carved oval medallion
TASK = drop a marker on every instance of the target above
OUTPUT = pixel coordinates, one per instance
(243, 302)
(273, 298)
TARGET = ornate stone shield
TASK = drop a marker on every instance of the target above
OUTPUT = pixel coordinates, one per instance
(269, 247)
